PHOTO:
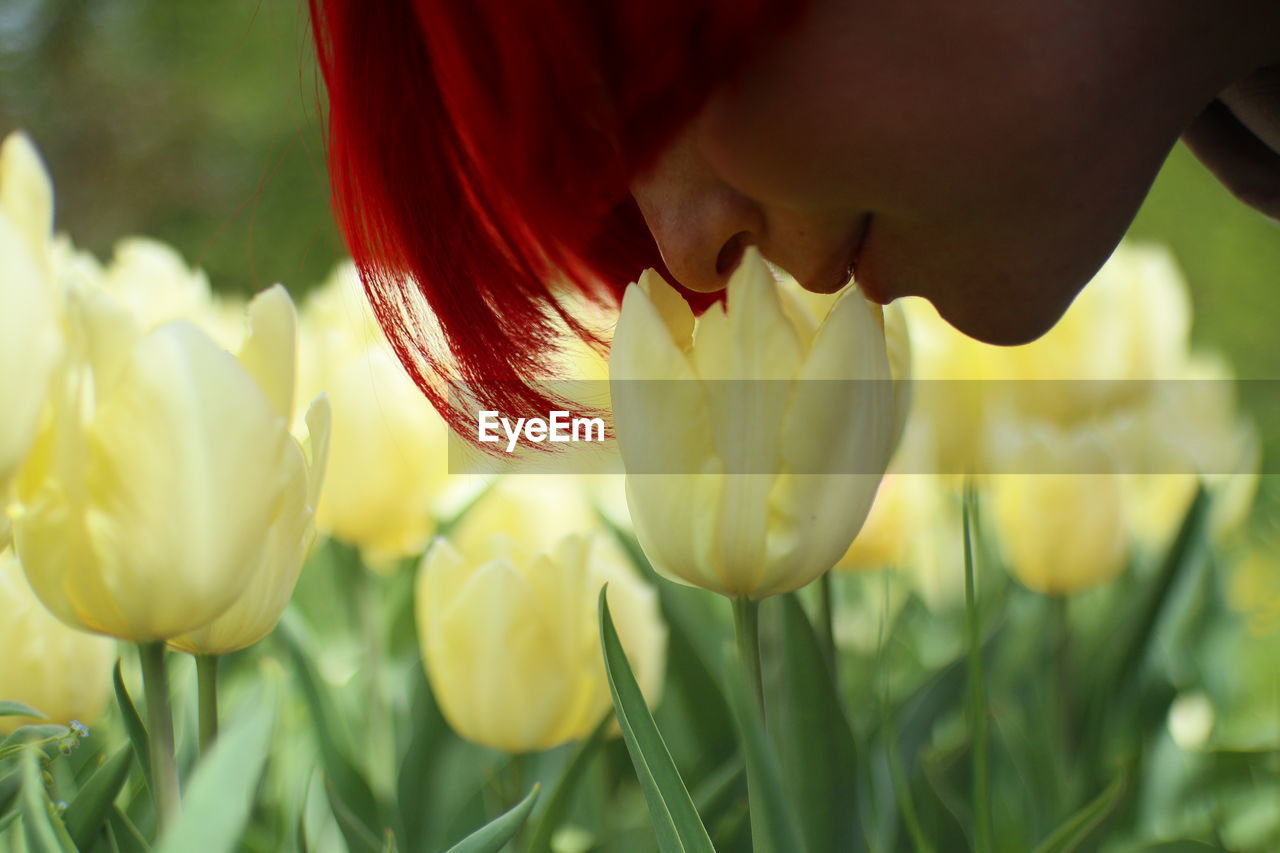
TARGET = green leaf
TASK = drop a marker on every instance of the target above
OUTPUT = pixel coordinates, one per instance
(10, 708)
(88, 812)
(350, 795)
(774, 828)
(982, 824)
(1075, 830)
(1125, 654)
(133, 725)
(817, 753)
(696, 628)
(43, 828)
(221, 793)
(10, 787)
(675, 820)
(126, 837)
(414, 784)
(495, 835)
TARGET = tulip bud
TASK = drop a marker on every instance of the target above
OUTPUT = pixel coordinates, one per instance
(292, 532)
(154, 484)
(764, 472)
(61, 672)
(387, 460)
(506, 611)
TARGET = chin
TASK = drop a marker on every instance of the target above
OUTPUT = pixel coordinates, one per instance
(980, 287)
(999, 322)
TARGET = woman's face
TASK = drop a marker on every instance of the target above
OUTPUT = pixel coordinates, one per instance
(986, 155)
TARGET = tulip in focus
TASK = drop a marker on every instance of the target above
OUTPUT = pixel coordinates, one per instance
(160, 473)
(506, 611)
(747, 473)
(61, 672)
(288, 542)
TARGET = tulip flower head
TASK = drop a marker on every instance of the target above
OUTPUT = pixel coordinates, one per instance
(753, 438)
(506, 610)
(160, 471)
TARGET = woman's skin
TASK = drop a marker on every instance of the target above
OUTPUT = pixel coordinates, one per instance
(986, 154)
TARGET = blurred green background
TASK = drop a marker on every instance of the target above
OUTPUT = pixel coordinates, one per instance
(197, 123)
(193, 122)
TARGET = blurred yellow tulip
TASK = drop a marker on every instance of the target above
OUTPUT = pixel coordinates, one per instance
(61, 672)
(154, 283)
(388, 463)
(1063, 533)
(883, 540)
(506, 611)
(31, 338)
(726, 422)
(1254, 590)
(153, 486)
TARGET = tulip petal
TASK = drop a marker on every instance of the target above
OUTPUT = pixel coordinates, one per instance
(26, 192)
(270, 348)
(181, 479)
(30, 345)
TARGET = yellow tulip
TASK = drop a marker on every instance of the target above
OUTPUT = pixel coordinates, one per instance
(732, 414)
(31, 337)
(61, 672)
(506, 611)
(154, 283)
(161, 470)
(889, 529)
(1063, 533)
(289, 539)
(388, 464)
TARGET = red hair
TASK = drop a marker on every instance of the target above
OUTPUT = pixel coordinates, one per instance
(480, 153)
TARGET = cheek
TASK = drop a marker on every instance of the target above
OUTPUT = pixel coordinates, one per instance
(876, 106)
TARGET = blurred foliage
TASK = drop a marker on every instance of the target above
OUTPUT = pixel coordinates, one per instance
(191, 122)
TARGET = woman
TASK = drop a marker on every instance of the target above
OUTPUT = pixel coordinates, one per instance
(987, 155)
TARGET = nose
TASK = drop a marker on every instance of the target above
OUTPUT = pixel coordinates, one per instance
(701, 224)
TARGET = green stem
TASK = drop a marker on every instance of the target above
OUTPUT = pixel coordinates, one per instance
(207, 689)
(1062, 665)
(164, 772)
(746, 629)
(826, 618)
(977, 696)
(381, 745)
